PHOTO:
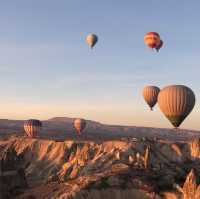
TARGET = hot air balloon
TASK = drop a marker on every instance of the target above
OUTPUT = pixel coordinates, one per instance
(32, 127)
(150, 94)
(152, 39)
(79, 125)
(176, 102)
(91, 40)
(159, 46)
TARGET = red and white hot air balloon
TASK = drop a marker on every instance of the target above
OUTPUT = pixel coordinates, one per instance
(152, 39)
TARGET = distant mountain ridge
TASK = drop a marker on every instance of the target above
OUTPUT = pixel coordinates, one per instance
(62, 128)
(61, 119)
(69, 119)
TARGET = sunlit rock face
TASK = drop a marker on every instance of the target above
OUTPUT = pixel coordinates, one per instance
(195, 148)
(143, 168)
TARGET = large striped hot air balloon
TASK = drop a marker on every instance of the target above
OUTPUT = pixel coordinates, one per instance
(176, 102)
(32, 127)
(152, 39)
(79, 125)
(150, 94)
(91, 40)
(160, 45)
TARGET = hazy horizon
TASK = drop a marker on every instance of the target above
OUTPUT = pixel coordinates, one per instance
(47, 70)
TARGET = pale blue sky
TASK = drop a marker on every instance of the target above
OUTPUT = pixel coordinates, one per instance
(46, 68)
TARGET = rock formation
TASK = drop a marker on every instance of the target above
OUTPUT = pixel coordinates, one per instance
(12, 175)
(143, 169)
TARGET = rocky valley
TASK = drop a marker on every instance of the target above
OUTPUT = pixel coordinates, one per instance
(130, 168)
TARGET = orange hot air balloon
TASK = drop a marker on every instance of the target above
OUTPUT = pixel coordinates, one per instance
(160, 45)
(152, 39)
(150, 94)
(79, 125)
(91, 40)
(32, 127)
(176, 102)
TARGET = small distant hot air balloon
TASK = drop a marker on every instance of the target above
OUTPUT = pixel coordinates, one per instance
(150, 94)
(79, 125)
(152, 39)
(91, 40)
(176, 102)
(159, 45)
(32, 127)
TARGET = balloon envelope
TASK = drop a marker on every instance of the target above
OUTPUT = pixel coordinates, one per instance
(32, 127)
(91, 40)
(150, 95)
(79, 125)
(176, 102)
(152, 39)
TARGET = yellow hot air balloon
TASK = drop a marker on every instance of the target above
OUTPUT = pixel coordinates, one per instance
(91, 40)
(176, 102)
(79, 125)
(150, 94)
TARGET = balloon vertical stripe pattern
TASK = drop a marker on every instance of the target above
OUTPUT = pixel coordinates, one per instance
(150, 94)
(32, 127)
(176, 102)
